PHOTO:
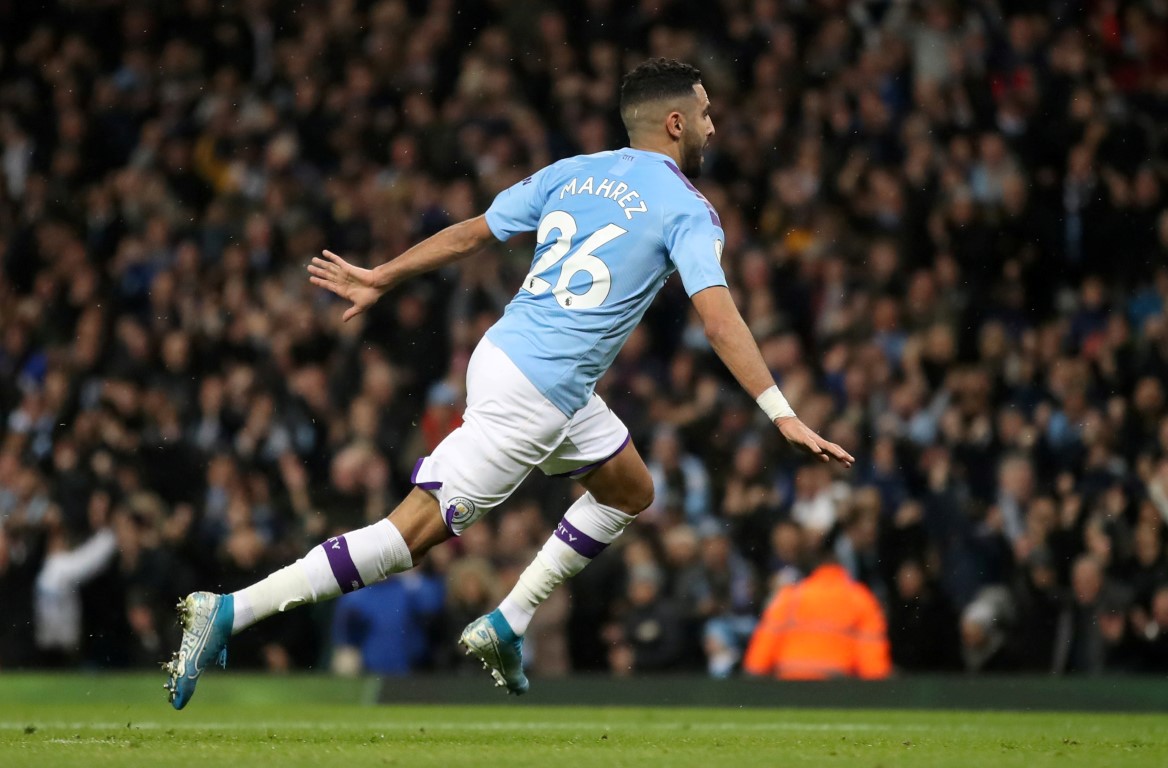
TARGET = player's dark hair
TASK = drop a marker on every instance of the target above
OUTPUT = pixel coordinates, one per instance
(657, 79)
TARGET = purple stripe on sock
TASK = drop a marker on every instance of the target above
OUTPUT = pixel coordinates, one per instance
(432, 485)
(589, 467)
(581, 542)
(344, 571)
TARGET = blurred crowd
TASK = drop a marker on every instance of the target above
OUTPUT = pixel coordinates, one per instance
(947, 227)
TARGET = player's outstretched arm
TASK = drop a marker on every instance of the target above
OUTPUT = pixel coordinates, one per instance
(363, 287)
(734, 344)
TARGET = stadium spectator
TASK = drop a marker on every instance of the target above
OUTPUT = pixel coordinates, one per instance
(921, 623)
(946, 225)
(387, 629)
(1043, 614)
(680, 482)
(66, 568)
(1098, 627)
(985, 632)
(650, 637)
(1152, 633)
(825, 626)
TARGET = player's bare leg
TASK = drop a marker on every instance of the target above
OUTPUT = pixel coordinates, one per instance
(419, 520)
(623, 483)
(616, 491)
(341, 564)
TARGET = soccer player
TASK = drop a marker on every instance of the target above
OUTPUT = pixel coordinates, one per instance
(611, 227)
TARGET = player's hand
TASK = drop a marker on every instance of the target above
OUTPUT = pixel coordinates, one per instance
(804, 438)
(342, 278)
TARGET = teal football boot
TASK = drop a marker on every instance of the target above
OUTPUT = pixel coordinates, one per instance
(206, 620)
(496, 645)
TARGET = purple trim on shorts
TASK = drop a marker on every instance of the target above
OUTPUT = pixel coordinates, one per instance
(448, 519)
(713, 214)
(344, 571)
(581, 542)
(432, 485)
(596, 464)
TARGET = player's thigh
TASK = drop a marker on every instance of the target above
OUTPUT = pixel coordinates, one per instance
(508, 429)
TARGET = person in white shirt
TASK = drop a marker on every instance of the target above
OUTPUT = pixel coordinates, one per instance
(57, 601)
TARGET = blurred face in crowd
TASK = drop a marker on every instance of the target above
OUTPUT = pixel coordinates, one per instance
(666, 448)
(1149, 396)
(1086, 581)
(715, 552)
(787, 542)
(810, 480)
(862, 531)
(910, 580)
(1016, 478)
(974, 633)
(643, 587)
(1041, 517)
(469, 582)
(1147, 544)
(1042, 576)
(1160, 607)
(681, 546)
(1111, 624)
(748, 459)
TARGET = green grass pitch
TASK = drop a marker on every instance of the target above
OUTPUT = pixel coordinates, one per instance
(240, 721)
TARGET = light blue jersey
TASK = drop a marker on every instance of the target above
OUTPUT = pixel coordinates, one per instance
(611, 227)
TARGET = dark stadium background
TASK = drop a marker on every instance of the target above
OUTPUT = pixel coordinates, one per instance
(946, 226)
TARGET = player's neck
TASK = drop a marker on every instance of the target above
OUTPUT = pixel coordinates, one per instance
(670, 149)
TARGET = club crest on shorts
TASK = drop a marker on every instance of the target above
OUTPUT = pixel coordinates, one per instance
(460, 512)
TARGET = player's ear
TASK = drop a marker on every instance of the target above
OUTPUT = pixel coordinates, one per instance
(675, 124)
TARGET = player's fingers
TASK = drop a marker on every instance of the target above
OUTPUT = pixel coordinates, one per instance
(328, 285)
(318, 271)
(327, 266)
(812, 446)
(351, 312)
(839, 454)
(844, 455)
(335, 259)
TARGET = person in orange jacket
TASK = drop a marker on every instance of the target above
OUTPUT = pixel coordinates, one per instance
(826, 626)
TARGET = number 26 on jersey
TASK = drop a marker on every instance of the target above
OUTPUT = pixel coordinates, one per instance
(582, 260)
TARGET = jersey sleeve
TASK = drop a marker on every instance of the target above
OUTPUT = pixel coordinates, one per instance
(518, 208)
(695, 243)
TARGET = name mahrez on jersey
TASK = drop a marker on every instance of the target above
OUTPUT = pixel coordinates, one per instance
(617, 191)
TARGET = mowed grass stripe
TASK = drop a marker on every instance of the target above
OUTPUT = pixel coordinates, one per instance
(305, 725)
(95, 722)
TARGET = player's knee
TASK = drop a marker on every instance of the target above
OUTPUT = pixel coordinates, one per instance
(645, 499)
(639, 497)
(631, 497)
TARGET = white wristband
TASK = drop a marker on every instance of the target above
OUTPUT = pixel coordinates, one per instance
(774, 404)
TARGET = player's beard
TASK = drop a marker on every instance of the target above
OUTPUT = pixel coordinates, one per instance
(691, 158)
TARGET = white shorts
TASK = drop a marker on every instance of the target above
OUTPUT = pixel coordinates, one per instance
(509, 428)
